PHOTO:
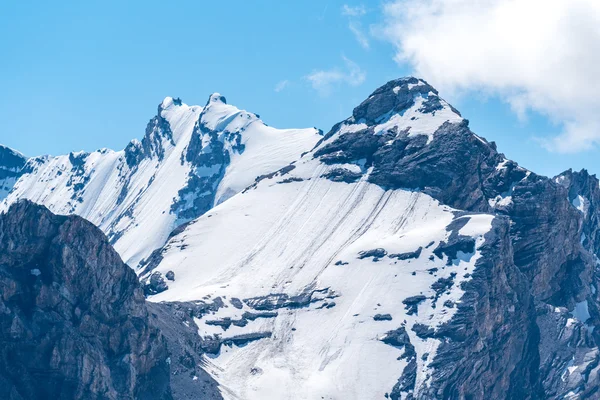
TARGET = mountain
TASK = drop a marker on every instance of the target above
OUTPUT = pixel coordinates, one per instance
(74, 321)
(398, 256)
(190, 159)
(11, 165)
(402, 257)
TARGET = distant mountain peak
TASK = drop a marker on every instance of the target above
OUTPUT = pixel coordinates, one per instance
(190, 158)
(216, 98)
(170, 102)
(11, 165)
(402, 107)
(397, 97)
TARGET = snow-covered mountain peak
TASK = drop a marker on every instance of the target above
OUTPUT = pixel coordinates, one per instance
(239, 141)
(189, 159)
(216, 98)
(217, 115)
(402, 107)
(169, 102)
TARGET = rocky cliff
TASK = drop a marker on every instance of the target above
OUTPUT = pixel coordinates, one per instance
(73, 320)
(11, 166)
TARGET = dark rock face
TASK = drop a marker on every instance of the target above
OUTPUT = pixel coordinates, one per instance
(199, 194)
(408, 255)
(11, 168)
(376, 254)
(170, 275)
(489, 349)
(189, 380)
(213, 156)
(584, 194)
(155, 284)
(406, 383)
(342, 175)
(412, 303)
(74, 323)
(282, 300)
(382, 317)
(158, 131)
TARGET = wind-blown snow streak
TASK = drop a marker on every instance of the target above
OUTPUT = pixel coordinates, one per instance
(297, 236)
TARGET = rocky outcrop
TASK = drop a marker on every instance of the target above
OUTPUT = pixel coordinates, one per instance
(74, 322)
(11, 168)
(489, 349)
(189, 380)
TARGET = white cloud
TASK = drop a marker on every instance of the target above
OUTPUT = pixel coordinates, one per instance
(354, 14)
(361, 38)
(281, 85)
(324, 81)
(353, 11)
(539, 55)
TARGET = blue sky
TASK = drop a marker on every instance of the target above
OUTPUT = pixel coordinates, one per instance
(87, 75)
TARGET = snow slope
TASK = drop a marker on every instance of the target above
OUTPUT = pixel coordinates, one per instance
(190, 158)
(327, 267)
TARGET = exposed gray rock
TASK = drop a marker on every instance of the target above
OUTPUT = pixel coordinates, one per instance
(170, 275)
(78, 327)
(283, 300)
(291, 179)
(386, 100)
(226, 322)
(382, 317)
(412, 303)
(408, 255)
(406, 383)
(457, 245)
(254, 315)
(442, 285)
(375, 253)
(281, 172)
(189, 380)
(237, 303)
(155, 284)
(240, 340)
(490, 348)
(12, 166)
(342, 175)
(423, 331)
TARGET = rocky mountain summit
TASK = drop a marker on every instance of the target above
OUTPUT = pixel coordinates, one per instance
(400, 255)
